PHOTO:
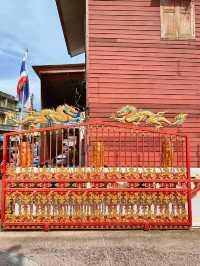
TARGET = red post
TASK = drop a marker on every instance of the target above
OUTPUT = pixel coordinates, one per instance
(109, 161)
(3, 195)
(56, 131)
(10, 147)
(137, 155)
(79, 147)
(85, 147)
(177, 152)
(62, 147)
(32, 149)
(154, 151)
(68, 147)
(188, 181)
(74, 148)
(45, 148)
(50, 149)
(39, 151)
(143, 152)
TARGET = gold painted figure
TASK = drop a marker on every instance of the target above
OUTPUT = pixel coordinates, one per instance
(130, 114)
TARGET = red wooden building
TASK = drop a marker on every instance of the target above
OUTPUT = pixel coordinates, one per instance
(144, 53)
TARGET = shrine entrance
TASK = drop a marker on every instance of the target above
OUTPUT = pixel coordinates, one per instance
(110, 176)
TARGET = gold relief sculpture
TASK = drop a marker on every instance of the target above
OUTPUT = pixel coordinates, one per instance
(183, 202)
(96, 206)
(25, 154)
(92, 206)
(98, 155)
(63, 113)
(14, 173)
(167, 153)
(130, 114)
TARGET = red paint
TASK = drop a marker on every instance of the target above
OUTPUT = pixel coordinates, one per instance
(145, 146)
(3, 194)
(189, 192)
(128, 63)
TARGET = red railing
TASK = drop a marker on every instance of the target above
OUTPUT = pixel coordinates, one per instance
(95, 175)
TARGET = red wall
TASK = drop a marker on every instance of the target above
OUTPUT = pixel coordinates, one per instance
(129, 64)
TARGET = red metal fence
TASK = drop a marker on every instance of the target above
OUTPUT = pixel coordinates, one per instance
(95, 175)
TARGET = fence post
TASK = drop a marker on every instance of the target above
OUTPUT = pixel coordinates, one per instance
(3, 194)
(188, 181)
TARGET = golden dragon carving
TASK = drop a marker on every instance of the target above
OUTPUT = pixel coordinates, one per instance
(63, 113)
(130, 114)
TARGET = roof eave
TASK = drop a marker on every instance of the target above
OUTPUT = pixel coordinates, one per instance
(67, 30)
(55, 69)
(63, 26)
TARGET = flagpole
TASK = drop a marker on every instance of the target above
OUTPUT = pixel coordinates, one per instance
(22, 110)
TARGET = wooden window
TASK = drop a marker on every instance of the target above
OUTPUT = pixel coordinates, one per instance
(177, 19)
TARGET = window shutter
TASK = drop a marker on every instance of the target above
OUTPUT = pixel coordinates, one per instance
(168, 19)
(185, 19)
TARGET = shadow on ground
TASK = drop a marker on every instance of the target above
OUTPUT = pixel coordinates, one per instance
(12, 257)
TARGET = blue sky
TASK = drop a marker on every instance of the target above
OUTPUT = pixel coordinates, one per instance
(32, 24)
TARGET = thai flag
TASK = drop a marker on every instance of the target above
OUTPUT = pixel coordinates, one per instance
(23, 82)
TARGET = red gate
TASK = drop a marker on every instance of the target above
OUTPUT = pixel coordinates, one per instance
(96, 175)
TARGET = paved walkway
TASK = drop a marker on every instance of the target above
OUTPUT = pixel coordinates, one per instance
(106, 248)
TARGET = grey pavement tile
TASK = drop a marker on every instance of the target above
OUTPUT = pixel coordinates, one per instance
(72, 256)
(118, 256)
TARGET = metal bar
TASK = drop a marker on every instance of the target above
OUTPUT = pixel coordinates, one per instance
(132, 222)
(131, 148)
(68, 148)
(177, 152)
(45, 148)
(62, 147)
(188, 181)
(183, 153)
(32, 149)
(74, 147)
(3, 195)
(111, 124)
(85, 147)
(120, 156)
(137, 154)
(195, 180)
(56, 147)
(16, 149)
(143, 151)
(97, 180)
(50, 148)
(79, 147)
(148, 150)
(125, 152)
(10, 147)
(26, 150)
(90, 147)
(160, 150)
(20, 151)
(195, 190)
(109, 143)
(154, 151)
(97, 189)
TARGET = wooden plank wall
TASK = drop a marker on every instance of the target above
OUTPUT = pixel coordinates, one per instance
(128, 63)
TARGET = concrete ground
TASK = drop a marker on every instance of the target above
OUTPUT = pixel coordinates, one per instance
(59, 248)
